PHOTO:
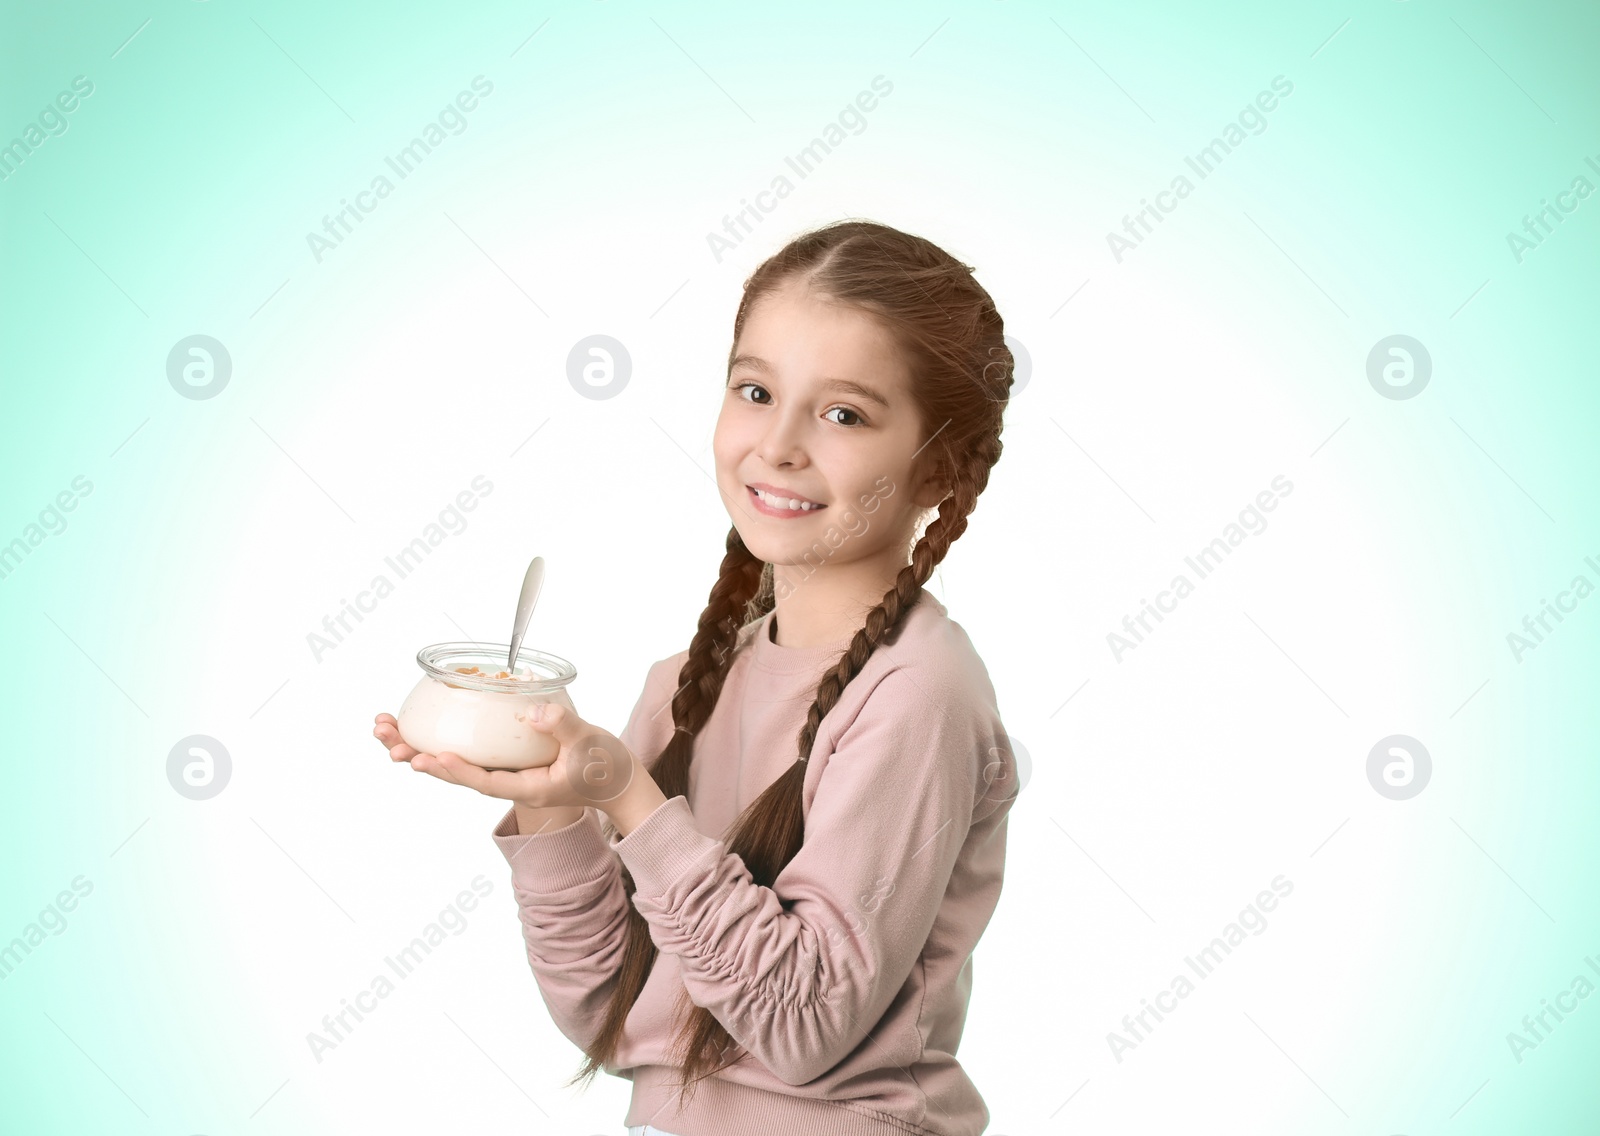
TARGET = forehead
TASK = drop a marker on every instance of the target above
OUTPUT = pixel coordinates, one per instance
(802, 336)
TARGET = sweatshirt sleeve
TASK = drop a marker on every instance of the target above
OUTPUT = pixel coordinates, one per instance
(800, 973)
(568, 887)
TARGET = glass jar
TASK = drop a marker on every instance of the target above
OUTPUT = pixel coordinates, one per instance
(463, 705)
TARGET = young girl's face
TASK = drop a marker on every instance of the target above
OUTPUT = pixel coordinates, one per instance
(818, 409)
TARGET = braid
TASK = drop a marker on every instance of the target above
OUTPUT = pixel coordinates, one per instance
(929, 551)
(700, 682)
(701, 676)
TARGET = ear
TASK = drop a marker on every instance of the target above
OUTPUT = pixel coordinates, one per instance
(932, 488)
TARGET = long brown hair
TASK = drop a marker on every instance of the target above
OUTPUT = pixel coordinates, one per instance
(961, 378)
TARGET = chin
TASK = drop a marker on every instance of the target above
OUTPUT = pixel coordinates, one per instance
(763, 547)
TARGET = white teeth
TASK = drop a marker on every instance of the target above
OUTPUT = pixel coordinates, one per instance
(784, 502)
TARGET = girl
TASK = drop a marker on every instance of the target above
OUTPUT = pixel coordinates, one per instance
(775, 910)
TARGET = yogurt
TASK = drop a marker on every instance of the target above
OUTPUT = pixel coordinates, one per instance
(470, 704)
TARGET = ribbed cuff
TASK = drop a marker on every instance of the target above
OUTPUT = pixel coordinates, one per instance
(664, 846)
(554, 859)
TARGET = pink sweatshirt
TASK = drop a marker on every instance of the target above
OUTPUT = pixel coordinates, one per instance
(847, 982)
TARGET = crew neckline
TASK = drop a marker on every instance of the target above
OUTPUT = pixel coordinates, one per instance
(778, 659)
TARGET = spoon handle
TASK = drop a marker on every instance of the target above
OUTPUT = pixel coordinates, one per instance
(531, 583)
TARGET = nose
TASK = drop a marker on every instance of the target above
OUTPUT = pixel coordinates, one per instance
(783, 445)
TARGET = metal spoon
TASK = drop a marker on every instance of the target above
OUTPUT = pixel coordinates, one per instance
(531, 583)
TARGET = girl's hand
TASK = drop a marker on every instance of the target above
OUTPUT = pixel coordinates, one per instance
(592, 767)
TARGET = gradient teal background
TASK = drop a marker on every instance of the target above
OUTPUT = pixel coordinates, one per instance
(1164, 393)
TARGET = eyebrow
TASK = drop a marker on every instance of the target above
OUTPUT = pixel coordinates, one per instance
(755, 362)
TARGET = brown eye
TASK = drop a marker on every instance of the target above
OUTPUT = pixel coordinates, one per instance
(846, 410)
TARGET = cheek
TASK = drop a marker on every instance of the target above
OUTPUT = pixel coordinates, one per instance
(733, 439)
(895, 515)
(723, 444)
(856, 472)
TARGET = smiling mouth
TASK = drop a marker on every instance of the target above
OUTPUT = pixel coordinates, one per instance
(772, 504)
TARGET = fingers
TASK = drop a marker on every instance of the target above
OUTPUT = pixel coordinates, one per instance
(389, 734)
(528, 786)
(561, 723)
(509, 785)
(459, 770)
(429, 763)
(546, 715)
